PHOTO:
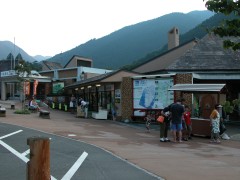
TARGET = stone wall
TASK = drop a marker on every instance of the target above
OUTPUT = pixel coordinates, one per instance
(184, 79)
(127, 98)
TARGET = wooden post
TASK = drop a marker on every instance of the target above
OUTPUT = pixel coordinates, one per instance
(38, 168)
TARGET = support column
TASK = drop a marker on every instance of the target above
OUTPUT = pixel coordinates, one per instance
(3, 91)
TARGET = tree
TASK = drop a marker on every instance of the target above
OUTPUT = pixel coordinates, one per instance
(22, 70)
(229, 27)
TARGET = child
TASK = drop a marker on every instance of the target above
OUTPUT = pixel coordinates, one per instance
(215, 121)
(188, 122)
(148, 120)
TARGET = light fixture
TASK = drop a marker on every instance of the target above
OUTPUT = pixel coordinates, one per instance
(82, 87)
(89, 86)
(76, 89)
(98, 85)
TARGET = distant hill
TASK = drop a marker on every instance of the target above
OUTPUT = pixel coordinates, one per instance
(41, 58)
(133, 42)
(7, 47)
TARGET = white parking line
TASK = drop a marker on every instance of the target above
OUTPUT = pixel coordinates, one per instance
(75, 167)
(11, 134)
(26, 152)
(14, 151)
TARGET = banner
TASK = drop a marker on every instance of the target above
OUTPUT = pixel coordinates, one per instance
(27, 88)
(35, 84)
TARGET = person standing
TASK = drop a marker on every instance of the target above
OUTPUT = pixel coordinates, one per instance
(215, 124)
(188, 122)
(72, 103)
(164, 127)
(177, 111)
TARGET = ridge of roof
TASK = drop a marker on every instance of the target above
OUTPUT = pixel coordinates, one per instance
(166, 52)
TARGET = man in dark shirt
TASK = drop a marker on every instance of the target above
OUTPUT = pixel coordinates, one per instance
(177, 111)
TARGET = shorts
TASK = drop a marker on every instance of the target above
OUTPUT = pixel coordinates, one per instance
(176, 127)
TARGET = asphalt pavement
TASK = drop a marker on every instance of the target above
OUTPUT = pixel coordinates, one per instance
(195, 159)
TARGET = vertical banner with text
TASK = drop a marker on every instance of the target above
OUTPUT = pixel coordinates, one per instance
(27, 88)
(35, 87)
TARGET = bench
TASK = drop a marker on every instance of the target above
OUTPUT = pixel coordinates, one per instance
(2, 112)
(44, 114)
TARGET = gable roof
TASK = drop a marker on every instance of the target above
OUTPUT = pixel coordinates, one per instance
(162, 61)
(81, 57)
(208, 55)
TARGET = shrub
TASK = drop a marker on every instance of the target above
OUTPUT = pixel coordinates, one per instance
(24, 111)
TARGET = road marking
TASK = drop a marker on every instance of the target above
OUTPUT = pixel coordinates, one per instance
(11, 134)
(75, 167)
(14, 151)
(26, 152)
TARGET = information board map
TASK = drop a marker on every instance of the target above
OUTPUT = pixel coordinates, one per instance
(152, 93)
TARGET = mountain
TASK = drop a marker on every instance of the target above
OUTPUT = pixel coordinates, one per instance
(198, 32)
(41, 58)
(133, 42)
(7, 47)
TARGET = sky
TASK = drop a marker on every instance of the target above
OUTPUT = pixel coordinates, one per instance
(49, 27)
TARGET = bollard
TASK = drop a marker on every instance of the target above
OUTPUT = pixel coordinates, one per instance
(12, 106)
(38, 167)
(65, 107)
(53, 105)
(60, 106)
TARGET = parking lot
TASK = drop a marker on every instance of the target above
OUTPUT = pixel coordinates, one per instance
(197, 159)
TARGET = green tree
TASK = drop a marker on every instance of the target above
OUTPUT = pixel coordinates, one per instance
(22, 70)
(228, 27)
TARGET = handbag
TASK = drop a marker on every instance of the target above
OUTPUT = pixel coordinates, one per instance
(160, 119)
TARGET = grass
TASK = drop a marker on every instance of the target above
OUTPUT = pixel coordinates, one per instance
(22, 111)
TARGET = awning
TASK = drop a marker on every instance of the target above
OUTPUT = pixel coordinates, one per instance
(217, 76)
(197, 87)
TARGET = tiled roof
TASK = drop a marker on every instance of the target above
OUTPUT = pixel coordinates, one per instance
(208, 54)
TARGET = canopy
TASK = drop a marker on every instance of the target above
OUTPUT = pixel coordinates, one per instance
(197, 87)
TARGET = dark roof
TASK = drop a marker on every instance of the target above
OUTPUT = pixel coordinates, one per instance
(91, 80)
(52, 65)
(208, 55)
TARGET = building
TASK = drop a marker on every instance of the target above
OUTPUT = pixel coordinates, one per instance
(203, 61)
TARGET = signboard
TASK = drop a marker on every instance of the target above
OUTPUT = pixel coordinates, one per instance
(8, 73)
(152, 93)
(117, 94)
(57, 86)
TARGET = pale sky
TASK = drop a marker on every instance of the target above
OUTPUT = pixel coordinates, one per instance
(49, 27)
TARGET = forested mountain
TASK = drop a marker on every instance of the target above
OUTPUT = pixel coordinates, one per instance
(7, 47)
(133, 42)
(198, 32)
